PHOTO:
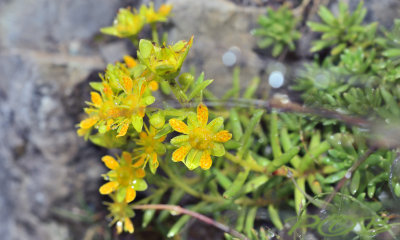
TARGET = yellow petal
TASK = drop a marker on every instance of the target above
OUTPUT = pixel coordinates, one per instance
(205, 161)
(128, 83)
(88, 123)
(96, 99)
(109, 187)
(153, 85)
(154, 159)
(140, 173)
(119, 227)
(165, 9)
(107, 90)
(180, 153)
(128, 226)
(202, 114)
(130, 195)
(222, 136)
(110, 162)
(123, 130)
(127, 157)
(139, 162)
(82, 131)
(130, 61)
(109, 124)
(179, 126)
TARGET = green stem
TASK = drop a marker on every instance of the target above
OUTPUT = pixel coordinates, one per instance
(182, 184)
(252, 165)
(134, 41)
(177, 91)
(154, 34)
(203, 218)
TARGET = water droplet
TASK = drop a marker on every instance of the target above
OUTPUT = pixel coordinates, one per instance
(276, 79)
(174, 213)
(229, 58)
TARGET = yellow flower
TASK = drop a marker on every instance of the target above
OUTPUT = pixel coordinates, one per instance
(121, 214)
(130, 61)
(122, 101)
(149, 149)
(166, 61)
(152, 16)
(201, 140)
(124, 178)
(126, 24)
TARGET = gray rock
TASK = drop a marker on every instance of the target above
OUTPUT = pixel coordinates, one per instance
(217, 26)
(46, 55)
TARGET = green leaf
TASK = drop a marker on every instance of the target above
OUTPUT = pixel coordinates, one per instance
(139, 184)
(235, 123)
(355, 182)
(392, 52)
(338, 49)
(145, 48)
(251, 216)
(277, 49)
(218, 150)
(274, 215)
(327, 16)
(236, 185)
(137, 122)
(318, 27)
(98, 86)
(199, 88)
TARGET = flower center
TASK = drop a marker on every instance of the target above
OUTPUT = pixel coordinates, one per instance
(200, 138)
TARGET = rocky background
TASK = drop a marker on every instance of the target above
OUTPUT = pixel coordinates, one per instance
(49, 51)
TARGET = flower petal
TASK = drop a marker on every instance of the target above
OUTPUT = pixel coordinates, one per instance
(109, 187)
(180, 140)
(123, 129)
(96, 99)
(128, 226)
(137, 122)
(110, 162)
(205, 161)
(179, 126)
(202, 114)
(222, 136)
(129, 61)
(180, 153)
(153, 163)
(218, 150)
(130, 195)
(216, 125)
(140, 173)
(140, 162)
(127, 83)
(88, 123)
(193, 159)
(192, 120)
(139, 184)
(127, 157)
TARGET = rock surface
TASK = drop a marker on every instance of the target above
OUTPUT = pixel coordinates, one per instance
(48, 54)
(213, 23)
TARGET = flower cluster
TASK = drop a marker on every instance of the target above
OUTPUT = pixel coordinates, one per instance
(121, 100)
(165, 61)
(121, 114)
(125, 177)
(129, 23)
